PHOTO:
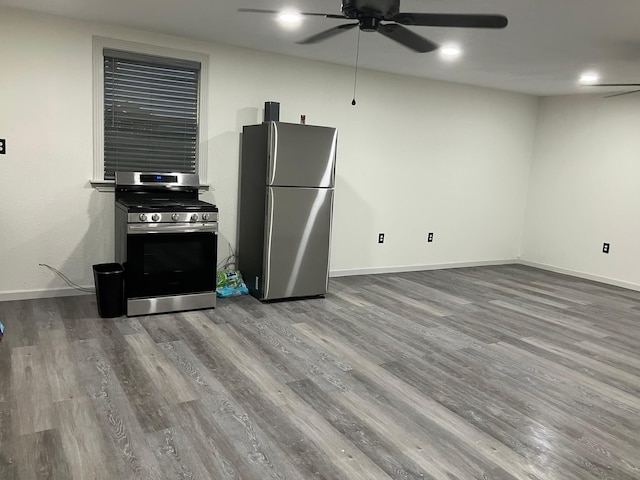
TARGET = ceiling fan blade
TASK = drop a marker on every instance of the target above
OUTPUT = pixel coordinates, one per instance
(332, 32)
(275, 12)
(615, 84)
(406, 37)
(619, 94)
(451, 20)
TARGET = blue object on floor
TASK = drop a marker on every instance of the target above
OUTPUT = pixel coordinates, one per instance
(229, 284)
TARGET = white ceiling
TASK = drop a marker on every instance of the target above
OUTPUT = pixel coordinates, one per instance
(546, 45)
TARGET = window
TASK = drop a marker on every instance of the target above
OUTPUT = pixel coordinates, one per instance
(148, 115)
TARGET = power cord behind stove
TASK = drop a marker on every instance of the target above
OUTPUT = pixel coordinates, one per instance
(66, 279)
(227, 262)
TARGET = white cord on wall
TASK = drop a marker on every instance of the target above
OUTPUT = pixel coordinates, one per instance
(66, 279)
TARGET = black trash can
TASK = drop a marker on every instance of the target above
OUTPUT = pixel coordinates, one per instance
(109, 280)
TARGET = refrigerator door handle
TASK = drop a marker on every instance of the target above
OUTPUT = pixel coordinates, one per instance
(268, 237)
(273, 151)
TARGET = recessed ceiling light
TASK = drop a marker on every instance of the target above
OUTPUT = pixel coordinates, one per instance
(450, 52)
(588, 78)
(289, 17)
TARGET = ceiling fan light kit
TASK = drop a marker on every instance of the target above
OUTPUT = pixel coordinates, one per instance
(370, 15)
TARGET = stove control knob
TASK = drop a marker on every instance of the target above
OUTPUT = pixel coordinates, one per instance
(194, 217)
(143, 217)
(205, 216)
(155, 217)
(175, 217)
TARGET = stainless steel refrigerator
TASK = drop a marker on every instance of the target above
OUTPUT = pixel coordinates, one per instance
(286, 203)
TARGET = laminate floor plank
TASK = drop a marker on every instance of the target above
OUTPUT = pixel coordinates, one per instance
(573, 377)
(162, 328)
(519, 315)
(7, 468)
(40, 455)
(473, 326)
(612, 376)
(31, 396)
(360, 338)
(169, 382)
(300, 451)
(419, 291)
(405, 303)
(339, 450)
(561, 322)
(625, 361)
(376, 446)
(548, 395)
(502, 372)
(213, 448)
(565, 297)
(61, 368)
(46, 314)
(418, 437)
(402, 392)
(364, 334)
(177, 455)
(133, 458)
(87, 452)
(504, 323)
(230, 421)
(146, 399)
(352, 299)
(628, 344)
(283, 336)
(400, 337)
(493, 413)
(19, 319)
(78, 315)
(544, 299)
(284, 372)
(626, 319)
(282, 430)
(294, 362)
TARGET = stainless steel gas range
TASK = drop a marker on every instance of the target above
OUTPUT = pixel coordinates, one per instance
(167, 240)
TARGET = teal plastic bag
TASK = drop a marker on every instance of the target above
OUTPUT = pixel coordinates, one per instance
(229, 283)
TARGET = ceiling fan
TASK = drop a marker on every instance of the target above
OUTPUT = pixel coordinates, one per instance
(370, 15)
(617, 85)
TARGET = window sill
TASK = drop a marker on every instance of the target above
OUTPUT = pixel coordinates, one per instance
(103, 186)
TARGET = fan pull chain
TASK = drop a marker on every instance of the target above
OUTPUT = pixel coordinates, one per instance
(355, 79)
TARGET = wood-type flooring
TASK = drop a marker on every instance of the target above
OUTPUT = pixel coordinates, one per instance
(502, 372)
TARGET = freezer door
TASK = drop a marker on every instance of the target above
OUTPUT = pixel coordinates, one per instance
(298, 233)
(301, 155)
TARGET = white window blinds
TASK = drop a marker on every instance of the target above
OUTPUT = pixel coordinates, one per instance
(150, 113)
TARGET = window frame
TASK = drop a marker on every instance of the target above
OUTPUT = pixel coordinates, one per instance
(101, 43)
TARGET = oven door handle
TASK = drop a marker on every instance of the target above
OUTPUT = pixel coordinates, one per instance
(140, 229)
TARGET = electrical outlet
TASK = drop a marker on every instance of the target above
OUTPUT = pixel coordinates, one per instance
(430, 237)
(381, 238)
(3, 146)
(605, 248)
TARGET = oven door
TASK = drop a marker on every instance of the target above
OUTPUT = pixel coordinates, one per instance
(171, 263)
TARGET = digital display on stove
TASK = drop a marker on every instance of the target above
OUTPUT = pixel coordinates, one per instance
(149, 178)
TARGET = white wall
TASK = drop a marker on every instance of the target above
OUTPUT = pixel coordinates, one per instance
(585, 188)
(415, 156)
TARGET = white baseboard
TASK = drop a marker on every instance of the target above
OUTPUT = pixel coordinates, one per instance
(586, 276)
(68, 292)
(34, 294)
(417, 268)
